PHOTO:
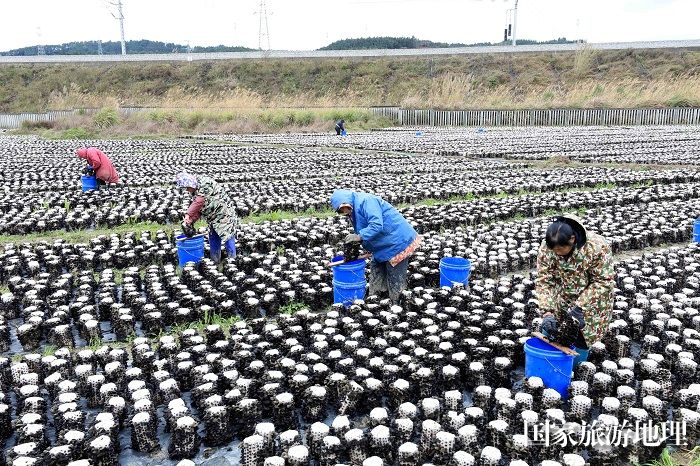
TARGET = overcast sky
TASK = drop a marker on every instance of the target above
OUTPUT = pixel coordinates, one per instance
(310, 24)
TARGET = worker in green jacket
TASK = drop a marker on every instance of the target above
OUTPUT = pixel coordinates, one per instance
(574, 285)
(212, 202)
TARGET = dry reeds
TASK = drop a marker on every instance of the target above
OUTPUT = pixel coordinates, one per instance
(461, 92)
(173, 122)
(585, 78)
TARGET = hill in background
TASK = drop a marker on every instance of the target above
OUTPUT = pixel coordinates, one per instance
(150, 46)
(367, 43)
(114, 48)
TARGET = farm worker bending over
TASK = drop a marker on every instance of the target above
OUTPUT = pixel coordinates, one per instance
(384, 232)
(98, 164)
(339, 127)
(575, 282)
(213, 203)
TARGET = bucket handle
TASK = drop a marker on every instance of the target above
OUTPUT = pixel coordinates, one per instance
(358, 275)
(556, 369)
(453, 283)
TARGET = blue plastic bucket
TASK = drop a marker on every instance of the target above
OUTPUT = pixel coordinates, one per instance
(696, 231)
(343, 133)
(349, 281)
(548, 363)
(189, 249)
(89, 183)
(454, 270)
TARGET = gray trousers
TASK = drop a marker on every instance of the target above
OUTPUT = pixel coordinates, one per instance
(385, 279)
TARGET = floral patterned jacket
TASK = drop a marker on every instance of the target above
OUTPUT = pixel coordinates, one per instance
(217, 208)
(585, 278)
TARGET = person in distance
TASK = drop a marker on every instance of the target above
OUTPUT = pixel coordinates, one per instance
(339, 127)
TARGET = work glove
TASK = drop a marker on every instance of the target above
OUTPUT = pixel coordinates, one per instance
(576, 313)
(353, 238)
(570, 324)
(548, 327)
(188, 229)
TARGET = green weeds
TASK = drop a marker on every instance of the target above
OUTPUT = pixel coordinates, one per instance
(106, 118)
(278, 215)
(225, 322)
(605, 186)
(81, 236)
(292, 308)
(72, 133)
(678, 458)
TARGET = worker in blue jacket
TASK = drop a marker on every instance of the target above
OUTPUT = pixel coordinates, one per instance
(385, 233)
(339, 127)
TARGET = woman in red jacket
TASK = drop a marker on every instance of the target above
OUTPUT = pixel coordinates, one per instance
(100, 163)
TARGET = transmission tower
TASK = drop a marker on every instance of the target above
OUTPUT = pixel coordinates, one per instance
(99, 47)
(120, 17)
(511, 23)
(40, 50)
(264, 30)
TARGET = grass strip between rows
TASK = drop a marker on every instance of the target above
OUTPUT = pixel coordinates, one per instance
(80, 236)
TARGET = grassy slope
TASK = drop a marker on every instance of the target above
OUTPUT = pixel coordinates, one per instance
(574, 79)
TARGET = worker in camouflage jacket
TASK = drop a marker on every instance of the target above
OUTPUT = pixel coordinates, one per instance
(211, 201)
(575, 283)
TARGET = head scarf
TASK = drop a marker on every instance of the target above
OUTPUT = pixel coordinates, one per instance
(185, 180)
(82, 153)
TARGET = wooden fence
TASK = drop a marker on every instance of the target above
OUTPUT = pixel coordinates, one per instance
(15, 120)
(551, 117)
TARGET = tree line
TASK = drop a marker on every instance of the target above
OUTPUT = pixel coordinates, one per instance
(415, 43)
(114, 48)
(149, 46)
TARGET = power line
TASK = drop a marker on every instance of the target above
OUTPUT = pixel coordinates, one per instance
(515, 21)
